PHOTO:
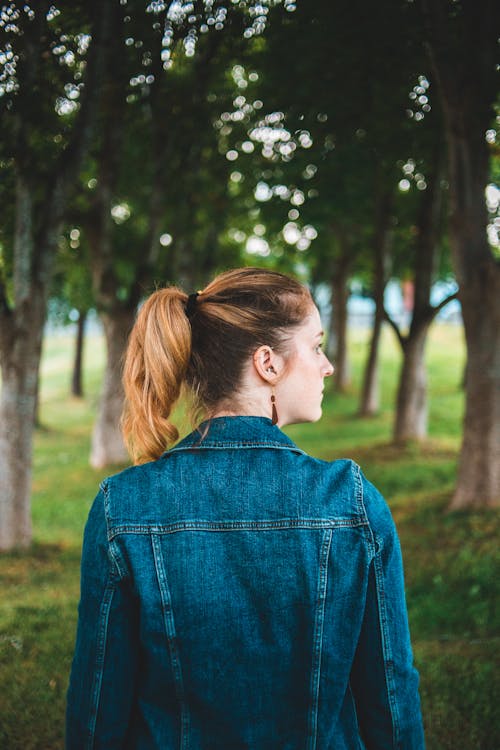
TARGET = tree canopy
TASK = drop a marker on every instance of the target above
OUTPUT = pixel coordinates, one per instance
(154, 142)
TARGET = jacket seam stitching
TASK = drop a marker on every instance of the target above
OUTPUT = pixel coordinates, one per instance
(169, 623)
(163, 529)
(386, 648)
(101, 651)
(382, 615)
(361, 507)
(318, 638)
(233, 446)
(114, 552)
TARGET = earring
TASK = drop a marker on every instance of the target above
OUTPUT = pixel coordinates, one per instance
(274, 413)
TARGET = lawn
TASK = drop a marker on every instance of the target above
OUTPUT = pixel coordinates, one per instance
(451, 560)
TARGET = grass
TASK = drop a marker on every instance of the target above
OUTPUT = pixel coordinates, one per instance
(451, 560)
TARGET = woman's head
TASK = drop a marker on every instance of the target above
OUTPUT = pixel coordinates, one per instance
(205, 345)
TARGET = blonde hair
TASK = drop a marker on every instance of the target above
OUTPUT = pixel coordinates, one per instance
(236, 313)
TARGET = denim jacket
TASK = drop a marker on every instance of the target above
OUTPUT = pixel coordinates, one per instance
(237, 593)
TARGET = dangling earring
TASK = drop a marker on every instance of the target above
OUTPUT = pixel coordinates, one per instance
(274, 413)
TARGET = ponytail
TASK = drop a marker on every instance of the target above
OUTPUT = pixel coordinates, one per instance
(204, 341)
(155, 367)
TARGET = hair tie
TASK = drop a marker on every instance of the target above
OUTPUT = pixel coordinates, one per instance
(191, 304)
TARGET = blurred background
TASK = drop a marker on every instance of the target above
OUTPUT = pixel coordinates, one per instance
(351, 144)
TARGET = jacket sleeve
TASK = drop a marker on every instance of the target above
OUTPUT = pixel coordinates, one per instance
(383, 679)
(104, 664)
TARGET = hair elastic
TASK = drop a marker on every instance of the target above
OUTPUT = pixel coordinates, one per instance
(191, 304)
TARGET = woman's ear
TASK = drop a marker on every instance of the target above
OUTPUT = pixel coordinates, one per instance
(267, 364)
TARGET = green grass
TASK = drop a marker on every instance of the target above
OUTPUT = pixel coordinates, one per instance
(451, 560)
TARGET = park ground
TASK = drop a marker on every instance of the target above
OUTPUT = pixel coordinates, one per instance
(451, 559)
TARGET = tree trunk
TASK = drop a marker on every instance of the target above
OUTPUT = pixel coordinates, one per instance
(478, 483)
(370, 399)
(38, 217)
(369, 402)
(468, 88)
(17, 409)
(21, 334)
(331, 342)
(411, 405)
(107, 443)
(337, 346)
(76, 379)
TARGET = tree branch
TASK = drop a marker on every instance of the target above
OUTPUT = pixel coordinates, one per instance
(395, 328)
(434, 310)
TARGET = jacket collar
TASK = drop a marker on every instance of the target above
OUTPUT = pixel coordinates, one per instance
(236, 432)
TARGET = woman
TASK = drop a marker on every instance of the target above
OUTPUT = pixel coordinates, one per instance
(237, 593)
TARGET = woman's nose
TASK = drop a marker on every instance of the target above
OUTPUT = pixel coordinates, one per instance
(329, 368)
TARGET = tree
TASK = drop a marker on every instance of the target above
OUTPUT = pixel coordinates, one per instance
(71, 297)
(411, 404)
(43, 148)
(462, 42)
(51, 65)
(381, 261)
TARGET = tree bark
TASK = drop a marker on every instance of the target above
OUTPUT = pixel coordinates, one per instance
(107, 443)
(16, 437)
(17, 409)
(76, 378)
(411, 404)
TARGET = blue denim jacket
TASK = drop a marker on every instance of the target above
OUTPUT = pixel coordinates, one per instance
(238, 593)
